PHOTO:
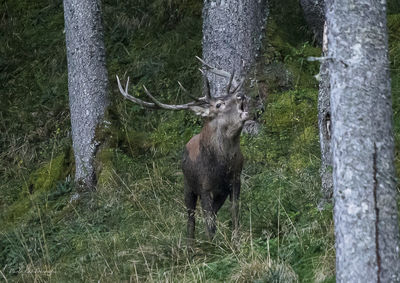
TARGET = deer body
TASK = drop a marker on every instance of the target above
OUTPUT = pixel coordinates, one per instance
(211, 164)
(212, 161)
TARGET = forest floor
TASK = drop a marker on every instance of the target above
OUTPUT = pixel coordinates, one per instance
(134, 226)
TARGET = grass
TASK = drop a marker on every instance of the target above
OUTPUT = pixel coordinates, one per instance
(137, 229)
(134, 227)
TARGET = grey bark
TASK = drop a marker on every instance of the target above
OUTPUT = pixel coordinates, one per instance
(87, 82)
(314, 13)
(232, 34)
(324, 125)
(365, 210)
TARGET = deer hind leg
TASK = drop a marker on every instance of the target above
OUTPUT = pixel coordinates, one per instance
(209, 214)
(218, 201)
(190, 202)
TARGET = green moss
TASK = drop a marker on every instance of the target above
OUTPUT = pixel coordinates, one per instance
(301, 149)
(105, 173)
(46, 177)
(40, 182)
(291, 109)
(290, 118)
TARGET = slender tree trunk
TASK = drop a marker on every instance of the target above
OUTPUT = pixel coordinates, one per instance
(87, 82)
(324, 124)
(365, 211)
(232, 33)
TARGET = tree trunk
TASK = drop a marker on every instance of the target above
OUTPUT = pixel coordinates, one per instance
(365, 211)
(87, 82)
(232, 33)
(324, 125)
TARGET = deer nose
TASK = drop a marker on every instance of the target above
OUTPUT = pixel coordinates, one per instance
(244, 116)
(240, 97)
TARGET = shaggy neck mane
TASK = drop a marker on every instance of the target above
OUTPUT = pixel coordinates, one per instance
(217, 140)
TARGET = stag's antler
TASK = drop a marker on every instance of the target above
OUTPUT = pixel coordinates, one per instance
(237, 85)
(157, 104)
(232, 88)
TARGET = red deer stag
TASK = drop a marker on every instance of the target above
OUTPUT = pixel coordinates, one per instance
(212, 160)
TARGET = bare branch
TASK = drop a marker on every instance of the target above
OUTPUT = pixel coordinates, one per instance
(319, 59)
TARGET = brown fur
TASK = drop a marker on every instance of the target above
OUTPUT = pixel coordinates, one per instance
(212, 164)
(193, 147)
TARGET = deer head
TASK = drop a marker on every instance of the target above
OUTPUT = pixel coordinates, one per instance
(228, 111)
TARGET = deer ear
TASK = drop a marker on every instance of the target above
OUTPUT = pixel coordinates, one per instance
(201, 111)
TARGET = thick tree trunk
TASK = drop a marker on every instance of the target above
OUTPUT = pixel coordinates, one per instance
(324, 125)
(232, 33)
(365, 211)
(87, 81)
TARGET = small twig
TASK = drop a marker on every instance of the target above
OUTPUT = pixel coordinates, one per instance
(319, 59)
(2, 274)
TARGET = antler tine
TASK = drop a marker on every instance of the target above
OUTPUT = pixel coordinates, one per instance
(156, 104)
(184, 89)
(214, 70)
(208, 90)
(238, 87)
(171, 106)
(134, 99)
(201, 99)
(228, 88)
(127, 84)
(165, 106)
(222, 73)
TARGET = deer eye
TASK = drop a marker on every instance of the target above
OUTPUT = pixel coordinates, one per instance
(218, 105)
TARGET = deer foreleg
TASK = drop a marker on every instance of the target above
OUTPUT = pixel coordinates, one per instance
(209, 215)
(235, 209)
(190, 202)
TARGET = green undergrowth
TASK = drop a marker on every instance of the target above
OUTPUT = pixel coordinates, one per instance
(133, 227)
(40, 182)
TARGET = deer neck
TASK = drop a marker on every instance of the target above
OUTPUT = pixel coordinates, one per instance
(215, 139)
